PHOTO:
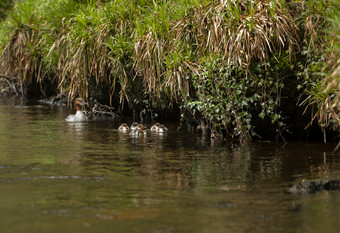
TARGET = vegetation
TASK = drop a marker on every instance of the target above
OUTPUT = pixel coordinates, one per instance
(226, 64)
(4, 6)
(322, 71)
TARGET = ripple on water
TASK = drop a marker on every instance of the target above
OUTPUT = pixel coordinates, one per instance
(87, 177)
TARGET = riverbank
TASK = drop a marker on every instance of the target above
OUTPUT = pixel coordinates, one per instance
(240, 69)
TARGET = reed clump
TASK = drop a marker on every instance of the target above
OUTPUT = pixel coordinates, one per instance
(225, 63)
(322, 74)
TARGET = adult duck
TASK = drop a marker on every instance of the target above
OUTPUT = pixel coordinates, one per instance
(79, 104)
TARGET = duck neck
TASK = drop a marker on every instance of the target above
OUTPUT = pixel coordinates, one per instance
(77, 106)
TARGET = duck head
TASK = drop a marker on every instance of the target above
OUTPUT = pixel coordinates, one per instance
(79, 103)
(155, 127)
(124, 128)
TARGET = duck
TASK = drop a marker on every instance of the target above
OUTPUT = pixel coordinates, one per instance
(124, 128)
(139, 131)
(79, 103)
(134, 126)
(162, 129)
(155, 127)
(143, 130)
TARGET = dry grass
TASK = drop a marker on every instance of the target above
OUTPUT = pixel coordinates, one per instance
(164, 56)
(328, 107)
(253, 33)
(314, 21)
(325, 96)
(20, 58)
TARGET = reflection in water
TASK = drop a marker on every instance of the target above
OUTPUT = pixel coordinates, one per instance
(88, 177)
(78, 127)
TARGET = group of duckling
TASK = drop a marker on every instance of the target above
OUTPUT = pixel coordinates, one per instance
(135, 129)
(139, 130)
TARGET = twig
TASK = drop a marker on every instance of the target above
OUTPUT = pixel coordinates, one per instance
(337, 147)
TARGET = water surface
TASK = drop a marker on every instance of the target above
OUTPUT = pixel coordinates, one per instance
(86, 177)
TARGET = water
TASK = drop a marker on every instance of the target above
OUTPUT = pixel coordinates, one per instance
(86, 177)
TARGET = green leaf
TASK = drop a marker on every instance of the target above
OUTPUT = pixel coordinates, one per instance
(262, 115)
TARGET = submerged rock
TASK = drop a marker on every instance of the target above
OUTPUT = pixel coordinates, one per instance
(313, 186)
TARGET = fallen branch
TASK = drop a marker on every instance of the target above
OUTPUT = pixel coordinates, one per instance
(11, 85)
(100, 110)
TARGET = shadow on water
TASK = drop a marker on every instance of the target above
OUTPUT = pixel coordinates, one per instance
(85, 177)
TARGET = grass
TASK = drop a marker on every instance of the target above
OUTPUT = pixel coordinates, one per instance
(324, 92)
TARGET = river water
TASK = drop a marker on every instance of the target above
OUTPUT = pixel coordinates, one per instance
(86, 177)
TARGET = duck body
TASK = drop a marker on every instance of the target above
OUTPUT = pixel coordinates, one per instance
(155, 127)
(162, 129)
(134, 126)
(140, 130)
(124, 128)
(80, 115)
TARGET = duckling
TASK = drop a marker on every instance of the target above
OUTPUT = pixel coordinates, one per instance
(162, 129)
(124, 128)
(139, 131)
(80, 115)
(155, 127)
(134, 126)
(143, 130)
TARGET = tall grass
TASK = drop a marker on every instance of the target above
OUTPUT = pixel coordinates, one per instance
(324, 81)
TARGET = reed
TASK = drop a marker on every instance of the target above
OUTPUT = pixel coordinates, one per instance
(323, 83)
